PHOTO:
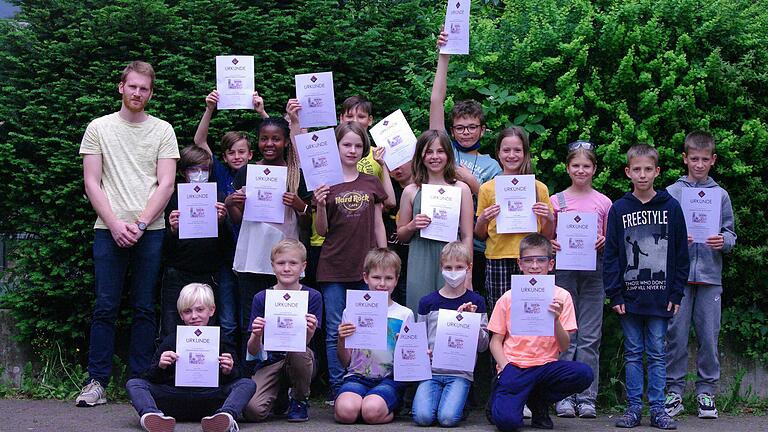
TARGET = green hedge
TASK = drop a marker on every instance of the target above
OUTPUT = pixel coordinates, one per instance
(616, 72)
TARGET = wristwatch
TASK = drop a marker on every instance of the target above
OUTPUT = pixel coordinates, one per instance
(142, 226)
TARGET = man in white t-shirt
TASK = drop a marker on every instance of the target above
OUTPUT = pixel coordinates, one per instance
(129, 165)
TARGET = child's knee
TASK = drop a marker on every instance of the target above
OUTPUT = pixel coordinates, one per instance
(423, 416)
(446, 419)
(256, 412)
(346, 408)
(374, 410)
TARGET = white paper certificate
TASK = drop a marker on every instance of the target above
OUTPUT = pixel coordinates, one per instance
(456, 340)
(315, 94)
(443, 205)
(264, 189)
(198, 362)
(319, 158)
(701, 208)
(457, 27)
(411, 357)
(577, 234)
(234, 82)
(285, 316)
(394, 134)
(197, 211)
(367, 310)
(529, 310)
(516, 195)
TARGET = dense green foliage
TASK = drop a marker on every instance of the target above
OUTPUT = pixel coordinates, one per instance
(616, 72)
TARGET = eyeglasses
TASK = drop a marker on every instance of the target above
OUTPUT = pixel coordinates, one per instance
(469, 128)
(535, 259)
(586, 145)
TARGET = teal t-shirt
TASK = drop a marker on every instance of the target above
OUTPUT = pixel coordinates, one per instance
(484, 168)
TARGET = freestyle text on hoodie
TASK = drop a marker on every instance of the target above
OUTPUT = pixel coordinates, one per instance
(707, 263)
(646, 254)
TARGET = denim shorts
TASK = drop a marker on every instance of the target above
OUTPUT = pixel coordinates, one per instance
(388, 389)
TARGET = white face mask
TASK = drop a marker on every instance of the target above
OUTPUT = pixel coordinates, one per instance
(197, 176)
(454, 278)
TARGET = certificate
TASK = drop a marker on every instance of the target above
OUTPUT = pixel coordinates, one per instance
(319, 158)
(577, 234)
(529, 309)
(411, 357)
(443, 205)
(367, 310)
(264, 189)
(394, 134)
(285, 316)
(315, 94)
(234, 82)
(457, 27)
(456, 340)
(516, 195)
(197, 211)
(701, 208)
(198, 362)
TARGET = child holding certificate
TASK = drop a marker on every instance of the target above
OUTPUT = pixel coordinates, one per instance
(252, 260)
(159, 402)
(349, 216)
(192, 260)
(289, 258)
(369, 391)
(701, 302)
(585, 287)
(434, 164)
(514, 152)
(442, 398)
(529, 371)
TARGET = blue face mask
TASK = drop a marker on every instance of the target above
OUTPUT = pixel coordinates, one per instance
(459, 147)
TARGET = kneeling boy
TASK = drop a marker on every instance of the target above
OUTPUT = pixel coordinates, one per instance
(157, 399)
(529, 370)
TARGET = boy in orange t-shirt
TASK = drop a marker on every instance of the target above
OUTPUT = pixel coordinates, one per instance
(529, 370)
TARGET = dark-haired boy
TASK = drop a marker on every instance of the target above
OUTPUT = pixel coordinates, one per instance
(645, 270)
(702, 293)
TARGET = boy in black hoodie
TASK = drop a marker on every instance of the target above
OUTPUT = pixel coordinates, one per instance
(645, 273)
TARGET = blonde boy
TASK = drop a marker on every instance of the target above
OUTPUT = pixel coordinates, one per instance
(529, 370)
(159, 402)
(289, 259)
(368, 390)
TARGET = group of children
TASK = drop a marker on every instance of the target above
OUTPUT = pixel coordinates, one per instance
(649, 269)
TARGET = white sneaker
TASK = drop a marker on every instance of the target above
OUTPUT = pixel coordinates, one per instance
(707, 409)
(565, 408)
(157, 422)
(91, 395)
(527, 412)
(219, 422)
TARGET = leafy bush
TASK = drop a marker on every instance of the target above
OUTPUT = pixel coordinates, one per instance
(616, 72)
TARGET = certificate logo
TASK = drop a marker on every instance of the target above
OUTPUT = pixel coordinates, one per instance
(701, 194)
(406, 329)
(235, 61)
(315, 138)
(441, 190)
(577, 219)
(458, 5)
(267, 171)
(459, 317)
(533, 281)
(198, 332)
(287, 296)
(367, 296)
(515, 181)
(313, 79)
(386, 122)
(196, 188)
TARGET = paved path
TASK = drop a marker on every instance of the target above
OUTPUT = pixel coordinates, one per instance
(57, 416)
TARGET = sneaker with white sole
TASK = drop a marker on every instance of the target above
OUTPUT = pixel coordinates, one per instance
(707, 409)
(586, 410)
(565, 408)
(157, 422)
(91, 395)
(527, 412)
(673, 404)
(219, 422)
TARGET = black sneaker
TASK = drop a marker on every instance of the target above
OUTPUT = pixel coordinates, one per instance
(540, 418)
(630, 419)
(661, 420)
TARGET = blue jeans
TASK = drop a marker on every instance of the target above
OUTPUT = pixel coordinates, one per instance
(334, 301)
(644, 334)
(111, 264)
(227, 303)
(536, 386)
(441, 399)
(189, 403)
(386, 388)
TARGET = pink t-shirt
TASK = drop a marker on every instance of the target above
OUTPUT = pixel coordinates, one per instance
(593, 202)
(529, 351)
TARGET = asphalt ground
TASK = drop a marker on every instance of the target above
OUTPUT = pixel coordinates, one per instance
(23, 415)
